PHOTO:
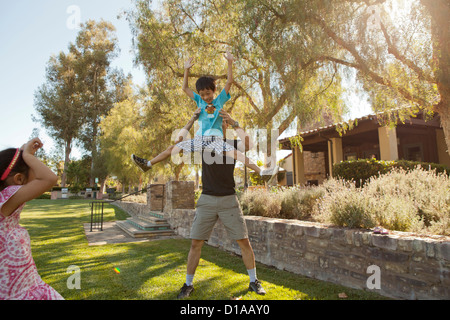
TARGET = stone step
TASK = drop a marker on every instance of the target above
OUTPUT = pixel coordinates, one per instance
(148, 225)
(152, 219)
(135, 232)
(158, 215)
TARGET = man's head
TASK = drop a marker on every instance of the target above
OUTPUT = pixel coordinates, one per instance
(206, 88)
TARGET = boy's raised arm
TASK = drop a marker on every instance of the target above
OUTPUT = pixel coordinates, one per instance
(187, 65)
(230, 80)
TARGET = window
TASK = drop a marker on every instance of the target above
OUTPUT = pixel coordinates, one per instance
(413, 152)
(289, 180)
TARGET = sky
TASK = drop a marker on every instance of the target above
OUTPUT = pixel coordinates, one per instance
(31, 31)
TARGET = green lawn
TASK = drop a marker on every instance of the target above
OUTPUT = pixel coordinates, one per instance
(149, 270)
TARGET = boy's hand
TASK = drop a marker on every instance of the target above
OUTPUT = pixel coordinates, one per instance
(188, 63)
(229, 56)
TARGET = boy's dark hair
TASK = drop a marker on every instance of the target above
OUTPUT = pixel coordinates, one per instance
(205, 83)
(5, 160)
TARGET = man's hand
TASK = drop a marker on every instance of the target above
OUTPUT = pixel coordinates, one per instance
(226, 117)
(197, 113)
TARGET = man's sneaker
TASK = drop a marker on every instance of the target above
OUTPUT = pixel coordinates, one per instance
(270, 174)
(256, 286)
(140, 162)
(185, 291)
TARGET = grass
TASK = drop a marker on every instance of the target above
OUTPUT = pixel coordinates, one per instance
(152, 270)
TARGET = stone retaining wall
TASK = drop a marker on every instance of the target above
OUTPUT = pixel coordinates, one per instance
(400, 264)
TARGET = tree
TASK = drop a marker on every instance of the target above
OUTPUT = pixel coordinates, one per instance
(80, 89)
(271, 80)
(122, 133)
(143, 124)
(401, 56)
(94, 49)
(58, 104)
(78, 173)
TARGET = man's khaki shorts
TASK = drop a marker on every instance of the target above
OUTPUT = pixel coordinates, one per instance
(227, 209)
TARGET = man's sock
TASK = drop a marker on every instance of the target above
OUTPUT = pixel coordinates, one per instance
(189, 279)
(252, 274)
(149, 164)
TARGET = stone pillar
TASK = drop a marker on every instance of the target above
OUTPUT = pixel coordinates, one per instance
(387, 138)
(335, 153)
(179, 195)
(299, 167)
(155, 197)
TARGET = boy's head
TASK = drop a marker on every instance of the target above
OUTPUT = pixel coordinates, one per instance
(206, 87)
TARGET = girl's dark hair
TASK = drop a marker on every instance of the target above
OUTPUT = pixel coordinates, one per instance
(205, 83)
(6, 157)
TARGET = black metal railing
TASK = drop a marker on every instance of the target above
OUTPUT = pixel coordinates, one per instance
(97, 209)
(97, 215)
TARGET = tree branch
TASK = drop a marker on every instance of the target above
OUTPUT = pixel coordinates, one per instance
(394, 51)
(249, 98)
(362, 66)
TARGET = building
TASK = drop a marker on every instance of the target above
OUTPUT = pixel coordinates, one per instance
(416, 139)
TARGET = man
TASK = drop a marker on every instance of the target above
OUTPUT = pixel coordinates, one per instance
(219, 201)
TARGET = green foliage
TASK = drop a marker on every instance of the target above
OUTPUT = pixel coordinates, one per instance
(289, 203)
(275, 80)
(413, 200)
(78, 172)
(80, 88)
(360, 171)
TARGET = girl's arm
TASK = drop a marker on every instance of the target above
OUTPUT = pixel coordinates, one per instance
(187, 65)
(230, 80)
(39, 180)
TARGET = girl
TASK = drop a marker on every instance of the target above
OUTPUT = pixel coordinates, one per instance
(23, 178)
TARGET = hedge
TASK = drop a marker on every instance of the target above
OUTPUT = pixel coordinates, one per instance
(361, 170)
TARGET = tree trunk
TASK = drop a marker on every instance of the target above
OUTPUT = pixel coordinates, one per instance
(67, 151)
(440, 32)
(444, 112)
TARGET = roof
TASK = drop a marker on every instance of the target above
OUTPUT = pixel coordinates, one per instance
(368, 117)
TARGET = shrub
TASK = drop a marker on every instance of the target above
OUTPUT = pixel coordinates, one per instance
(415, 200)
(360, 171)
(299, 203)
(344, 205)
(45, 195)
(260, 202)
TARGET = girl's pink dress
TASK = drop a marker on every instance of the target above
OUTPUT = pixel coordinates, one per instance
(19, 278)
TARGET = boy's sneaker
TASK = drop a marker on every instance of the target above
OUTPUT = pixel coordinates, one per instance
(140, 162)
(185, 291)
(256, 286)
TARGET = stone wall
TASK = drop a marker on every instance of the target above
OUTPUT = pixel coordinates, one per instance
(155, 197)
(404, 266)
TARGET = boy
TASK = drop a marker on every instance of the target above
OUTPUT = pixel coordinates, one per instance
(210, 134)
